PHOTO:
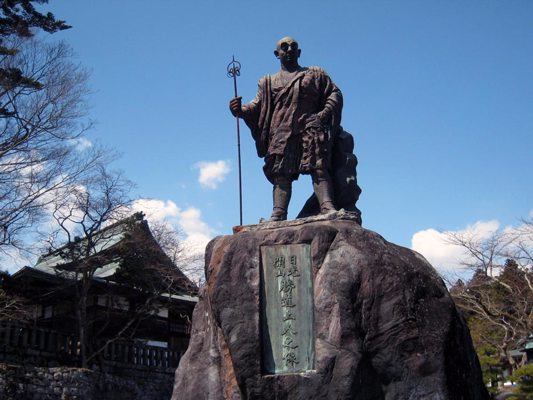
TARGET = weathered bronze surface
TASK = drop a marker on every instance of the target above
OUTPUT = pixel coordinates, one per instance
(288, 343)
(295, 122)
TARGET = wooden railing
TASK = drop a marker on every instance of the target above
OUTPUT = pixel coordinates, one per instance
(29, 344)
(127, 353)
(26, 340)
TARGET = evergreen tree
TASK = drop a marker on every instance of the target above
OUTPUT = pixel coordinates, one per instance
(19, 18)
(499, 312)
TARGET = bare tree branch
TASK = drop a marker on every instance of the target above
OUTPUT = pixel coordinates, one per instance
(498, 300)
(40, 127)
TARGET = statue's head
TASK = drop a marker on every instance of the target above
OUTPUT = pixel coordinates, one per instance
(287, 51)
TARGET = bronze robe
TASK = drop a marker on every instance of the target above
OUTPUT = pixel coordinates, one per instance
(284, 124)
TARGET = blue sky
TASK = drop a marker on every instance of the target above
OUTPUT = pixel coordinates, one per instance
(438, 94)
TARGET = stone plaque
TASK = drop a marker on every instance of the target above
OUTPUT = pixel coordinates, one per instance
(288, 340)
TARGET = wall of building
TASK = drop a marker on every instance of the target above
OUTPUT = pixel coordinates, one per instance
(62, 383)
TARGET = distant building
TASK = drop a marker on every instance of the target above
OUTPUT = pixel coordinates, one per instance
(138, 303)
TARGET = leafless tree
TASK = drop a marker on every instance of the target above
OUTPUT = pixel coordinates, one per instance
(93, 232)
(101, 198)
(498, 299)
(488, 253)
(12, 306)
(42, 119)
(499, 310)
(521, 249)
(173, 244)
(481, 253)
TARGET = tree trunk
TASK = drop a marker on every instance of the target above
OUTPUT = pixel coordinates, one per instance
(81, 313)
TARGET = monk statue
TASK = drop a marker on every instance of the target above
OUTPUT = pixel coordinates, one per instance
(295, 122)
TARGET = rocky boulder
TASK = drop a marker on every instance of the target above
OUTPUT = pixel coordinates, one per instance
(385, 326)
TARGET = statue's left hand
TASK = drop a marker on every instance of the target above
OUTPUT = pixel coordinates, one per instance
(324, 116)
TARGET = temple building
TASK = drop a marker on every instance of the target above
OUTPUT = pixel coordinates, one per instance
(116, 288)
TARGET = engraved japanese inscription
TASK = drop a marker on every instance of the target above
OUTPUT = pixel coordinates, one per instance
(288, 342)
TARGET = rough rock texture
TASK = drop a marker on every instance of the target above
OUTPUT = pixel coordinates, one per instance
(19, 382)
(385, 325)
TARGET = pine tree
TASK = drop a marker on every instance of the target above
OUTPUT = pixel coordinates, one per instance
(19, 18)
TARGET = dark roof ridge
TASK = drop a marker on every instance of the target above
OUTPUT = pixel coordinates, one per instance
(135, 217)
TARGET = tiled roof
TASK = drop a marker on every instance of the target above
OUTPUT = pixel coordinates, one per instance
(106, 241)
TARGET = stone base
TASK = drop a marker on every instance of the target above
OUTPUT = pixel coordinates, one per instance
(24, 382)
(385, 326)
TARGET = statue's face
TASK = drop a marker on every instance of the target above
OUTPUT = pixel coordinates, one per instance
(287, 51)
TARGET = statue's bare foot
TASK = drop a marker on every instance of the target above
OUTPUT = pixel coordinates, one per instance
(278, 214)
(327, 208)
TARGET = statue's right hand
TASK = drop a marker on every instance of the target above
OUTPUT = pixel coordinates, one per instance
(235, 106)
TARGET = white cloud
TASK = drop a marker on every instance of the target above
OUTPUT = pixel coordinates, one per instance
(81, 143)
(444, 256)
(158, 210)
(212, 173)
(196, 233)
(187, 223)
(432, 245)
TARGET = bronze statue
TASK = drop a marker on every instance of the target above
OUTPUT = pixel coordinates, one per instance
(294, 119)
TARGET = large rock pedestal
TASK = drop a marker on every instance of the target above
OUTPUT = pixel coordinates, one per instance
(385, 326)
